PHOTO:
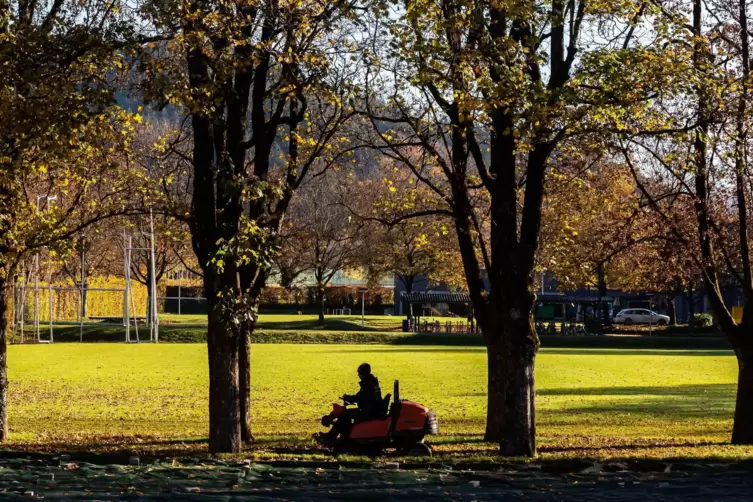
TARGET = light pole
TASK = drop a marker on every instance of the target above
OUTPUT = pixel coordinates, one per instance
(363, 306)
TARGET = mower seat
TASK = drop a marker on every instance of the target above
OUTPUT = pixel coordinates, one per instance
(384, 411)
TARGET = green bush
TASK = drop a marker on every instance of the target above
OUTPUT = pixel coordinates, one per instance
(702, 320)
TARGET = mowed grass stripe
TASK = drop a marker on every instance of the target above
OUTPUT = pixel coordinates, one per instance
(120, 395)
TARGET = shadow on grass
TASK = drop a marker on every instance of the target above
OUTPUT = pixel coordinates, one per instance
(657, 445)
(715, 391)
(400, 349)
(682, 402)
(330, 324)
(636, 352)
(465, 439)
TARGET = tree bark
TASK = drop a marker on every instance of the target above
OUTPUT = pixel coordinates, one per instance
(518, 421)
(224, 382)
(742, 428)
(5, 284)
(320, 303)
(602, 291)
(244, 369)
(84, 301)
(671, 310)
(742, 432)
(511, 346)
(408, 280)
(213, 188)
(149, 292)
(495, 395)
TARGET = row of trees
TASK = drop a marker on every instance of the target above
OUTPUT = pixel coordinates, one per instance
(601, 140)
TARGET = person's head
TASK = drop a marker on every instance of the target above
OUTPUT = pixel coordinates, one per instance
(364, 370)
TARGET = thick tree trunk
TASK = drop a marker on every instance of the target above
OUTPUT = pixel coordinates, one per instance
(495, 397)
(511, 409)
(671, 310)
(691, 303)
(244, 372)
(742, 428)
(224, 381)
(5, 282)
(518, 423)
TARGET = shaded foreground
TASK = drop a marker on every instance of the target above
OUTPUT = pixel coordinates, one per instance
(54, 478)
(152, 399)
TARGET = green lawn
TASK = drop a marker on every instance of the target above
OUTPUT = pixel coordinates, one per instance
(596, 403)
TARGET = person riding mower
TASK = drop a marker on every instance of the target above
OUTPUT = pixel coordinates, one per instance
(368, 401)
(402, 426)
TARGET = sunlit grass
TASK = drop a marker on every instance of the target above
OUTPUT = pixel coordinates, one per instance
(590, 402)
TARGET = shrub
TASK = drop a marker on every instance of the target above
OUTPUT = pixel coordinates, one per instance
(702, 320)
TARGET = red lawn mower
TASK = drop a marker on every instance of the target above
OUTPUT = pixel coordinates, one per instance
(404, 427)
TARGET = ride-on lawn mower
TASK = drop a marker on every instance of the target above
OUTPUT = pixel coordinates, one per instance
(404, 426)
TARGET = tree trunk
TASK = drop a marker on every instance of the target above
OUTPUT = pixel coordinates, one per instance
(511, 408)
(602, 291)
(84, 296)
(320, 303)
(671, 310)
(408, 281)
(224, 382)
(495, 396)
(518, 423)
(691, 303)
(742, 428)
(244, 372)
(148, 284)
(5, 284)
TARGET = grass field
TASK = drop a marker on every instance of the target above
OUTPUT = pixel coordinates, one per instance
(595, 403)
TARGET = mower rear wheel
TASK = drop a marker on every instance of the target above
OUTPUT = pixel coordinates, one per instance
(417, 450)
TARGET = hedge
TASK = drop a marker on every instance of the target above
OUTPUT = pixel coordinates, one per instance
(176, 334)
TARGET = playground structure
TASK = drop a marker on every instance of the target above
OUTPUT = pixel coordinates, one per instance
(28, 283)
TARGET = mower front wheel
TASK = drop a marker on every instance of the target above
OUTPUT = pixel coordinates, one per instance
(417, 450)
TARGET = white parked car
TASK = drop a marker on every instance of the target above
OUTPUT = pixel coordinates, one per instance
(640, 316)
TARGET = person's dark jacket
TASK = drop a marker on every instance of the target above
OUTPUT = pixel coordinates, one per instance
(368, 399)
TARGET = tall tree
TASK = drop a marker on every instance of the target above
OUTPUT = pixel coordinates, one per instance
(265, 80)
(406, 233)
(62, 143)
(327, 234)
(703, 166)
(596, 231)
(489, 91)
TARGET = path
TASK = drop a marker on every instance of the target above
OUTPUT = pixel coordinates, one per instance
(67, 480)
